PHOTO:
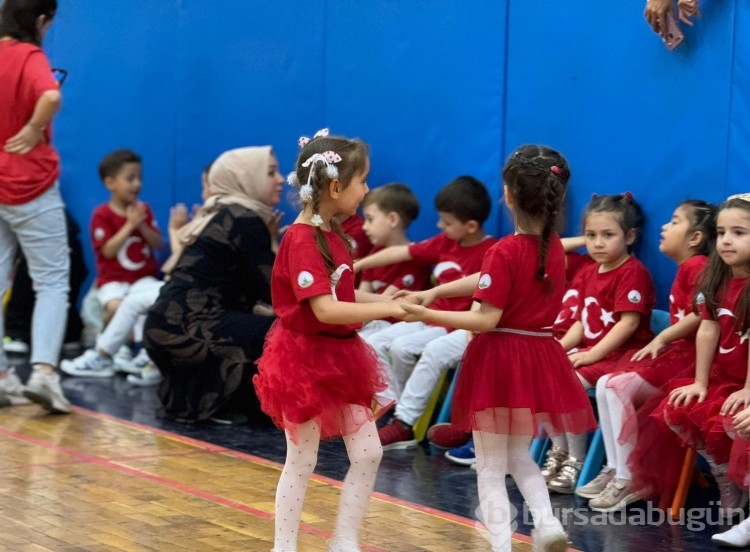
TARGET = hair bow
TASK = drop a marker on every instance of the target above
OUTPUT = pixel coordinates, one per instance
(326, 157)
(304, 140)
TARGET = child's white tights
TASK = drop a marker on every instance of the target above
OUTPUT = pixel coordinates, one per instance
(497, 456)
(574, 443)
(633, 389)
(364, 451)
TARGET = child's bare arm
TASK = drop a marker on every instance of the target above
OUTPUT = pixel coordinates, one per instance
(390, 255)
(619, 334)
(330, 311)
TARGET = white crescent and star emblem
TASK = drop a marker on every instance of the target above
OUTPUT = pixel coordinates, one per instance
(122, 254)
(725, 312)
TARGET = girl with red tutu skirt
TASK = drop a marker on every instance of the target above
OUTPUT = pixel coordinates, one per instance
(687, 238)
(515, 378)
(317, 378)
(616, 296)
(697, 409)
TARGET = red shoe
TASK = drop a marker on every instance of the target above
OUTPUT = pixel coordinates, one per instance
(448, 436)
(397, 435)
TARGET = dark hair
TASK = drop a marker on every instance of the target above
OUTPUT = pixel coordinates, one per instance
(207, 168)
(717, 274)
(114, 160)
(18, 18)
(465, 198)
(628, 213)
(353, 154)
(702, 217)
(537, 178)
(394, 198)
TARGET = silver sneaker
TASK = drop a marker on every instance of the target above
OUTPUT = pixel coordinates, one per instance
(616, 496)
(555, 458)
(44, 389)
(593, 488)
(567, 479)
(12, 388)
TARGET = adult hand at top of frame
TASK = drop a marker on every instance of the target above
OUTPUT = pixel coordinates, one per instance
(23, 142)
(656, 13)
(687, 9)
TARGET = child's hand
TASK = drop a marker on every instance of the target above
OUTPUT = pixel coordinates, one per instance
(178, 216)
(135, 214)
(412, 312)
(685, 395)
(25, 140)
(741, 423)
(424, 298)
(652, 349)
(687, 9)
(735, 401)
(583, 358)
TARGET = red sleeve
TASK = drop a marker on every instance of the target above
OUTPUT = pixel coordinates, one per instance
(428, 251)
(495, 277)
(634, 291)
(307, 270)
(101, 229)
(38, 75)
(151, 220)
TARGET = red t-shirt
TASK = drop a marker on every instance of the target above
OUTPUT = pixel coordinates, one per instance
(508, 282)
(409, 275)
(731, 356)
(604, 297)
(134, 259)
(685, 284)
(25, 75)
(450, 261)
(299, 273)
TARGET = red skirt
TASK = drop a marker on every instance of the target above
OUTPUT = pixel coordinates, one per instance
(739, 463)
(613, 362)
(305, 377)
(514, 384)
(700, 426)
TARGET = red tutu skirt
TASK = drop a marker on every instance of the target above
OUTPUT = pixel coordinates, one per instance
(613, 362)
(304, 377)
(739, 463)
(514, 384)
(699, 425)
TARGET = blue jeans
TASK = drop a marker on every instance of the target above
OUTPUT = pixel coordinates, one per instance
(39, 228)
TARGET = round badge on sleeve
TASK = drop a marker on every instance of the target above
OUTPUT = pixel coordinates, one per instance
(407, 280)
(634, 296)
(485, 281)
(305, 279)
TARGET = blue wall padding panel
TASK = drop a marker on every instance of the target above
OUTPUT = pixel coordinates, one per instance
(437, 88)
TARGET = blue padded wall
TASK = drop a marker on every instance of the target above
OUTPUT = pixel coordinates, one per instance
(437, 88)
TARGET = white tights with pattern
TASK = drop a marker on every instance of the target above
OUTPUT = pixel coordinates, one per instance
(364, 451)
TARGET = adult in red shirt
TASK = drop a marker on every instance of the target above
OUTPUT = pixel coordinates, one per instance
(31, 208)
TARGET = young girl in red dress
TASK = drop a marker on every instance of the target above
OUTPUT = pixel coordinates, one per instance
(515, 378)
(697, 408)
(317, 378)
(615, 300)
(687, 238)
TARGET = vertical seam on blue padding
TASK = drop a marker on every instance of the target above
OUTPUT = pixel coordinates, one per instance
(732, 64)
(504, 113)
(324, 87)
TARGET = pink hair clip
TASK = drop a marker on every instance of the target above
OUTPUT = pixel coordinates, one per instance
(555, 169)
(628, 196)
(304, 140)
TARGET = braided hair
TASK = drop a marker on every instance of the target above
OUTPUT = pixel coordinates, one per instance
(353, 153)
(537, 177)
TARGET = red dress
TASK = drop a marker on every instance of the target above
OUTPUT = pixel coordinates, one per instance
(656, 461)
(603, 298)
(310, 370)
(700, 425)
(517, 378)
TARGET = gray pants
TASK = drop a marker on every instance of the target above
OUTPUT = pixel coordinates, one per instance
(39, 228)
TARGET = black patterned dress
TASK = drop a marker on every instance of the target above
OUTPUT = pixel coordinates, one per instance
(202, 332)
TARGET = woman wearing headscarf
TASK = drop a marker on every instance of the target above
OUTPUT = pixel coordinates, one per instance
(207, 327)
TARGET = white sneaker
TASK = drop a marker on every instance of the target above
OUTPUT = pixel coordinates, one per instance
(12, 388)
(737, 537)
(148, 376)
(90, 364)
(44, 389)
(15, 346)
(124, 362)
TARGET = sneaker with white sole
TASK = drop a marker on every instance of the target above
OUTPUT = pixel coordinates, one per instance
(90, 364)
(615, 496)
(12, 388)
(464, 455)
(594, 488)
(737, 537)
(123, 361)
(148, 376)
(15, 346)
(44, 389)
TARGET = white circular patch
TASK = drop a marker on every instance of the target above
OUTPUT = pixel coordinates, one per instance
(305, 279)
(634, 296)
(485, 281)
(408, 280)
(98, 233)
